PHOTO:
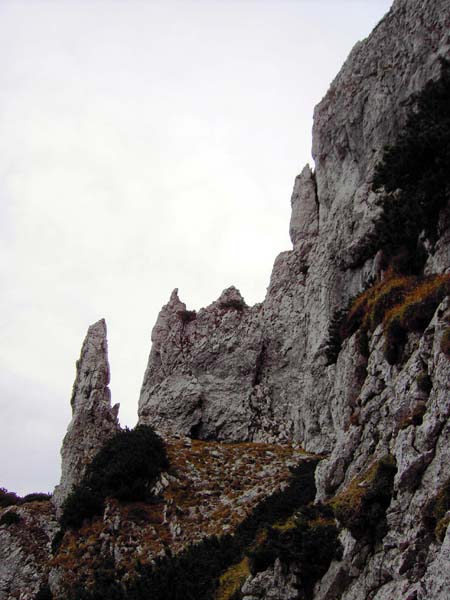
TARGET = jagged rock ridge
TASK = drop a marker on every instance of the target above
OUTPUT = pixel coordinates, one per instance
(234, 373)
(261, 373)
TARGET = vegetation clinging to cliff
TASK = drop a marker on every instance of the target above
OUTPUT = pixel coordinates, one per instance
(194, 574)
(125, 468)
(413, 179)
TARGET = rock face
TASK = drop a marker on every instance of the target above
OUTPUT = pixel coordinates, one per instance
(270, 372)
(260, 373)
(25, 550)
(93, 419)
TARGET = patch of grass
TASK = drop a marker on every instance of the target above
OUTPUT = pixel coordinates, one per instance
(361, 507)
(368, 309)
(413, 313)
(402, 303)
(441, 528)
(233, 579)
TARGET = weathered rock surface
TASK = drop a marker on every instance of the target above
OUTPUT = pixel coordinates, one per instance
(286, 389)
(235, 373)
(260, 372)
(25, 550)
(272, 584)
(210, 489)
(93, 419)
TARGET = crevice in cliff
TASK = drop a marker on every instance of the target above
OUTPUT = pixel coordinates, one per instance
(259, 366)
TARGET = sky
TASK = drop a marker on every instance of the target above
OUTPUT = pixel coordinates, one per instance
(144, 145)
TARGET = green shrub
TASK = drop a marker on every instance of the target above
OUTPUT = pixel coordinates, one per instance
(128, 464)
(414, 176)
(361, 507)
(82, 503)
(125, 468)
(10, 518)
(35, 497)
(44, 593)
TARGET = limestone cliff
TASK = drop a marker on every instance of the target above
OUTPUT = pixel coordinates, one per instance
(234, 372)
(348, 356)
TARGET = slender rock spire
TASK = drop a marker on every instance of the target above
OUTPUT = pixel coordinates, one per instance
(93, 419)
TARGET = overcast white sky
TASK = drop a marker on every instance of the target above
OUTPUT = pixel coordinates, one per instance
(143, 146)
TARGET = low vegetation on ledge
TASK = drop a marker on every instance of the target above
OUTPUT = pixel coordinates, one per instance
(403, 304)
(361, 506)
(204, 512)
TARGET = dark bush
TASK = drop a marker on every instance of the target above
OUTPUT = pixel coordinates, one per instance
(81, 504)
(44, 593)
(334, 339)
(424, 383)
(8, 498)
(35, 497)
(233, 304)
(125, 468)
(186, 316)
(310, 541)
(10, 518)
(414, 175)
(128, 464)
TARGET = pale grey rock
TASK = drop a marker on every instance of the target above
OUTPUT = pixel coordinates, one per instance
(94, 421)
(304, 225)
(25, 550)
(262, 373)
(354, 411)
(273, 584)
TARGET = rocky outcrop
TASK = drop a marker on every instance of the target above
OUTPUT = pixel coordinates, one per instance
(25, 549)
(210, 489)
(261, 372)
(93, 419)
(356, 410)
(274, 373)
